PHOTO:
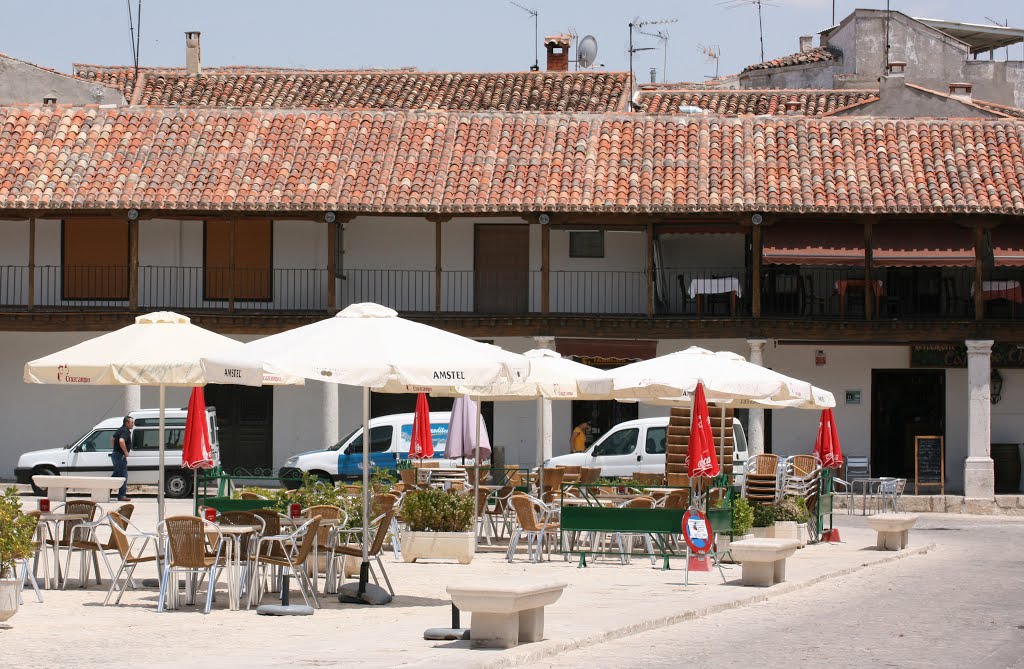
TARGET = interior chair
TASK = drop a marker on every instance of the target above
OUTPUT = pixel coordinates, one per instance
(126, 538)
(295, 548)
(382, 524)
(185, 551)
(810, 302)
(537, 529)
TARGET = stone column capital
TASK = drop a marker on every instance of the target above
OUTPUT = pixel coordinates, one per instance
(757, 343)
(979, 346)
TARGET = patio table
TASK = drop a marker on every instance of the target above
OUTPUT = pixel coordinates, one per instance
(869, 486)
(233, 559)
(56, 519)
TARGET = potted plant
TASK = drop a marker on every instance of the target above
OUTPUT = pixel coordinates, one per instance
(791, 518)
(16, 530)
(407, 471)
(440, 525)
(742, 520)
(765, 515)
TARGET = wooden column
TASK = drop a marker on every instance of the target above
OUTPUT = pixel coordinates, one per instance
(545, 269)
(755, 288)
(31, 263)
(437, 265)
(869, 289)
(332, 267)
(979, 299)
(133, 264)
(650, 270)
(231, 265)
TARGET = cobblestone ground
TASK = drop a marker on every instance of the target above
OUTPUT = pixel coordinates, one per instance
(961, 605)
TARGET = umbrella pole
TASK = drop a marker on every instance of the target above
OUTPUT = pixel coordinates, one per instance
(160, 488)
(540, 446)
(364, 568)
(721, 440)
(476, 463)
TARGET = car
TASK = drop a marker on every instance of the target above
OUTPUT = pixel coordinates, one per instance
(619, 453)
(90, 455)
(390, 437)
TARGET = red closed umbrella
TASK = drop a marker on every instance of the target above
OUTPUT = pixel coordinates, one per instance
(197, 451)
(701, 458)
(422, 444)
(826, 446)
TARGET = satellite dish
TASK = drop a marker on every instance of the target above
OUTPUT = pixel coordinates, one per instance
(586, 52)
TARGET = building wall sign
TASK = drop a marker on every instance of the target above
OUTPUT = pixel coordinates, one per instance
(853, 397)
(955, 355)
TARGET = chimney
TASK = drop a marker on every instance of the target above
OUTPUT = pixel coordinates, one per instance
(793, 107)
(49, 100)
(897, 68)
(806, 43)
(961, 90)
(558, 52)
(894, 78)
(193, 63)
(654, 75)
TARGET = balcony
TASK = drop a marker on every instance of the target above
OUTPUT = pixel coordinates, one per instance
(724, 293)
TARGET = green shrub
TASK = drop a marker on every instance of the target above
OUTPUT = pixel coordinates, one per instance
(437, 510)
(792, 509)
(742, 516)
(765, 514)
(16, 530)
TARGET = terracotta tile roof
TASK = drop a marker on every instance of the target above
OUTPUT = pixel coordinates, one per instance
(752, 101)
(1015, 112)
(370, 89)
(452, 162)
(815, 55)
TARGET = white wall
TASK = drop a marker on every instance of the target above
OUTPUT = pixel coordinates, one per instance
(13, 262)
(616, 283)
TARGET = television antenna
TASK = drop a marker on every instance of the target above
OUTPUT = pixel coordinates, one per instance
(1006, 50)
(712, 52)
(135, 33)
(536, 35)
(735, 4)
(662, 37)
(638, 24)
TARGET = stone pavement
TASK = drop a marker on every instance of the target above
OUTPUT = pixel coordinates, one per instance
(604, 601)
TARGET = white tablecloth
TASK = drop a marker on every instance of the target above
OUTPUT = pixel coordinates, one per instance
(729, 284)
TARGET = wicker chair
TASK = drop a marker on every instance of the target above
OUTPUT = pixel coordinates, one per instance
(326, 537)
(383, 525)
(185, 551)
(84, 540)
(130, 557)
(589, 475)
(536, 529)
(761, 479)
(625, 541)
(249, 495)
(91, 511)
(648, 478)
(676, 480)
(293, 559)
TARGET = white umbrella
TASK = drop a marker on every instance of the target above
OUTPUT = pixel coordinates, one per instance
(368, 345)
(160, 349)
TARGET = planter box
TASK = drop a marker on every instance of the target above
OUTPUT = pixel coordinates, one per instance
(453, 545)
(8, 598)
(786, 529)
(763, 532)
(802, 534)
(723, 542)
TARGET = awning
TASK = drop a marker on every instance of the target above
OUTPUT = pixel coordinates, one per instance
(807, 243)
(1008, 245)
(922, 244)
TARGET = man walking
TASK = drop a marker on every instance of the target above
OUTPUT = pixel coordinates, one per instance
(122, 445)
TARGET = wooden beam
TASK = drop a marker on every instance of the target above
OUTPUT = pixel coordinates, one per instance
(31, 263)
(133, 265)
(650, 269)
(979, 298)
(869, 291)
(755, 255)
(438, 246)
(332, 267)
(545, 269)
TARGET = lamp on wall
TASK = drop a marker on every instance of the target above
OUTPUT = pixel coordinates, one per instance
(996, 386)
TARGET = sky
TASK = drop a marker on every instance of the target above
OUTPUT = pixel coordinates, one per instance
(438, 35)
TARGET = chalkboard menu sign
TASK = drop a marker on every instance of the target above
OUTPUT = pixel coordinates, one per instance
(929, 463)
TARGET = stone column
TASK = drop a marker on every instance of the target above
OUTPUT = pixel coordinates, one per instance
(546, 431)
(132, 399)
(329, 402)
(979, 474)
(755, 421)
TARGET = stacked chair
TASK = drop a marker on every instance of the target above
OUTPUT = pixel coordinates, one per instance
(678, 439)
(761, 478)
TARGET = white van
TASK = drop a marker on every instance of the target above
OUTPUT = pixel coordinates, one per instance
(639, 446)
(90, 455)
(390, 437)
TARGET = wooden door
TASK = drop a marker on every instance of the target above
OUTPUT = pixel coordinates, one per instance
(501, 264)
(245, 424)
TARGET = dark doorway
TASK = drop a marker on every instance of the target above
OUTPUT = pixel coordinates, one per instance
(385, 404)
(905, 403)
(602, 416)
(501, 267)
(245, 424)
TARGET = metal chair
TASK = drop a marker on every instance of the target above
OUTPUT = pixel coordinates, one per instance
(185, 551)
(27, 573)
(536, 529)
(294, 558)
(126, 547)
(383, 525)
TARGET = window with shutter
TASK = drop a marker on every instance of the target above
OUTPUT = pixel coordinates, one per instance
(94, 258)
(245, 275)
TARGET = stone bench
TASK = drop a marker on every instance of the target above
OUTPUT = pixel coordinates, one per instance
(893, 529)
(99, 487)
(764, 560)
(505, 616)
